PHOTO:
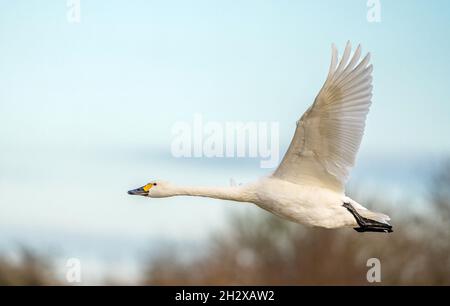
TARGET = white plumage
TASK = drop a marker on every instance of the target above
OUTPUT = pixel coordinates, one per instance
(329, 133)
(309, 185)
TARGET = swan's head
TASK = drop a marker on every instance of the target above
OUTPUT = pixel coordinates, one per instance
(154, 189)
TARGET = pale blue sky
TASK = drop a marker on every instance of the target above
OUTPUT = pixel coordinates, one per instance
(128, 71)
(86, 109)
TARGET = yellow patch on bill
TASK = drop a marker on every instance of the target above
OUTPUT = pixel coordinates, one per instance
(147, 187)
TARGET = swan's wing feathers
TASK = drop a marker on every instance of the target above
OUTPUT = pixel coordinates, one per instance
(329, 133)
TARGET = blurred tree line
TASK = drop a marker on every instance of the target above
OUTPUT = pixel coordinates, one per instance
(261, 249)
(30, 268)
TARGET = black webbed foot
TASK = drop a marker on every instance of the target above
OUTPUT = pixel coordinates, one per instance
(367, 225)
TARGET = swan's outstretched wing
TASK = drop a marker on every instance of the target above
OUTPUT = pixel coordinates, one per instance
(329, 133)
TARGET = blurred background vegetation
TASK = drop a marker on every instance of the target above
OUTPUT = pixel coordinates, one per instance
(30, 268)
(258, 248)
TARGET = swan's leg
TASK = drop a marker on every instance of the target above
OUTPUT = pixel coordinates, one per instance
(367, 225)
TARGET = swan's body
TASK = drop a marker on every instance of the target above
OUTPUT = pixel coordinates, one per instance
(309, 185)
(306, 204)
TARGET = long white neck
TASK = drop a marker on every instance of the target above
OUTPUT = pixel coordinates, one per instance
(233, 193)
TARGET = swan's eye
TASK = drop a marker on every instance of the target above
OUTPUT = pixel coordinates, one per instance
(154, 184)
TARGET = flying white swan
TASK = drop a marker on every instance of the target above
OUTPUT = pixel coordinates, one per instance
(309, 185)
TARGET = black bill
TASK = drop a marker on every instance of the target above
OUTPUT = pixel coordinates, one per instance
(139, 191)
